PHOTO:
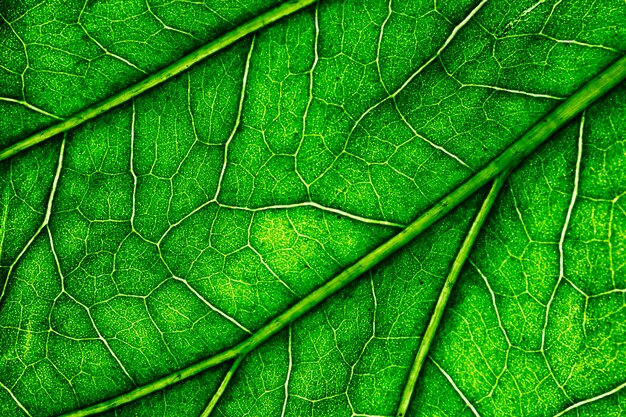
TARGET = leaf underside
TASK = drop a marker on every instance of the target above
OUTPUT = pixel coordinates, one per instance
(177, 224)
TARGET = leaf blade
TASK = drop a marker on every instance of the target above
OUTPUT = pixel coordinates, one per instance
(510, 158)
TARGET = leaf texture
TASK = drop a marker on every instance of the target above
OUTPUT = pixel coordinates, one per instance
(175, 225)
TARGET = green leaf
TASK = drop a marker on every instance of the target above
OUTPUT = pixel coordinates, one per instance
(230, 203)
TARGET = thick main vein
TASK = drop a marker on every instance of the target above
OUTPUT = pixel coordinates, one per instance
(161, 76)
(507, 160)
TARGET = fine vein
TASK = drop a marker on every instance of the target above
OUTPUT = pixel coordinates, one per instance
(507, 160)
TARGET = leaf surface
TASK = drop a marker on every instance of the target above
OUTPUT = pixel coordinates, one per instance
(177, 224)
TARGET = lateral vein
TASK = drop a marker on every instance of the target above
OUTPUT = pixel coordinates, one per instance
(19, 404)
(446, 291)
(237, 119)
(31, 107)
(43, 224)
(590, 400)
(222, 388)
(457, 389)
